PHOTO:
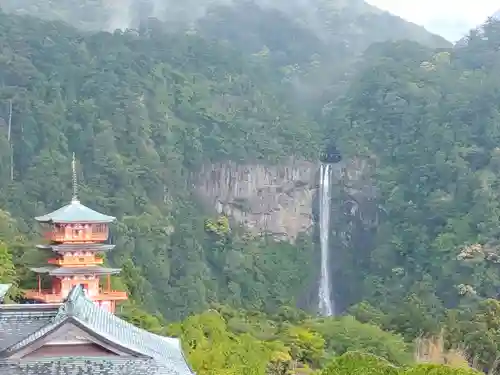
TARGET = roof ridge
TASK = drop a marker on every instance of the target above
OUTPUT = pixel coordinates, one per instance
(85, 309)
(69, 307)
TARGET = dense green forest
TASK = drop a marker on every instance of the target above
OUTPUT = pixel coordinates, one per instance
(144, 109)
(429, 121)
(312, 43)
(138, 124)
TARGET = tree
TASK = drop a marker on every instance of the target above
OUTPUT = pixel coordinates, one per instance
(7, 270)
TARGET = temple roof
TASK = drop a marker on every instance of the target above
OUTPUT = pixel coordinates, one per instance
(75, 212)
(84, 366)
(144, 353)
(18, 321)
(63, 248)
(64, 271)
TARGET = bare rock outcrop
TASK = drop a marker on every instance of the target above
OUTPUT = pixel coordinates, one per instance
(276, 199)
(273, 199)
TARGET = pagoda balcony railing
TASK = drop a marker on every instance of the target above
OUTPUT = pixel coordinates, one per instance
(47, 296)
(85, 237)
(76, 261)
(44, 295)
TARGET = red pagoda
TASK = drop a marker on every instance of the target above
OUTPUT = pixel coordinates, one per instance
(77, 235)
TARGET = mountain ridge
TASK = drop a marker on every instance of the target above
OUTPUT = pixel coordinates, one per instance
(313, 44)
(113, 15)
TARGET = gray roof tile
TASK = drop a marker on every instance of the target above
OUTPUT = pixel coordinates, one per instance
(75, 212)
(81, 366)
(16, 324)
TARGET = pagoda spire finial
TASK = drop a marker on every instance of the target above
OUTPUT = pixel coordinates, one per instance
(75, 180)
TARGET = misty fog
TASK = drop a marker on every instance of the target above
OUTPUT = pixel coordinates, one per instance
(110, 15)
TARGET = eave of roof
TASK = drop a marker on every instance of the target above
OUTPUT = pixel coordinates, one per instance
(82, 365)
(62, 271)
(51, 327)
(29, 308)
(45, 269)
(66, 271)
(77, 247)
(75, 212)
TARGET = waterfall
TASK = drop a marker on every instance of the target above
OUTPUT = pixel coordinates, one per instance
(326, 305)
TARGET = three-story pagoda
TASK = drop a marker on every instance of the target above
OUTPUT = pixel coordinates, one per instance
(77, 235)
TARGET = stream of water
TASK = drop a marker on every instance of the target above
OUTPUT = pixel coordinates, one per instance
(326, 304)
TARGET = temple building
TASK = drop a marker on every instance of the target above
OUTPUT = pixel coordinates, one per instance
(78, 337)
(71, 329)
(76, 234)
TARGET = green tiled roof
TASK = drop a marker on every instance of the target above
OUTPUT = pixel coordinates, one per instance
(96, 270)
(75, 212)
(97, 247)
(64, 271)
(156, 355)
(45, 269)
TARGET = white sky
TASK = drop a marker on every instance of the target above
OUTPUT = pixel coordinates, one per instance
(449, 18)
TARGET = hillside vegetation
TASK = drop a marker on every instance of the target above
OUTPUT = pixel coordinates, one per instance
(354, 21)
(430, 121)
(313, 43)
(144, 109)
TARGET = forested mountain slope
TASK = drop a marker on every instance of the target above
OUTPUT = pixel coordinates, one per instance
(141, 110)
(145, 110)
(350, 20)
(314, 43)
(429, 121)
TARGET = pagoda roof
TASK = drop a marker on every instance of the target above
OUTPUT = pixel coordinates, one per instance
(63, 248)
(140, 352)
(67, 271)
(75, 212)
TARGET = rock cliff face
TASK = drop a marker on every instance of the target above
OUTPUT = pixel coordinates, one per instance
(274, 199)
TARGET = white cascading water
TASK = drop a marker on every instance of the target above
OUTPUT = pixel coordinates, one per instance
(326, 307)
